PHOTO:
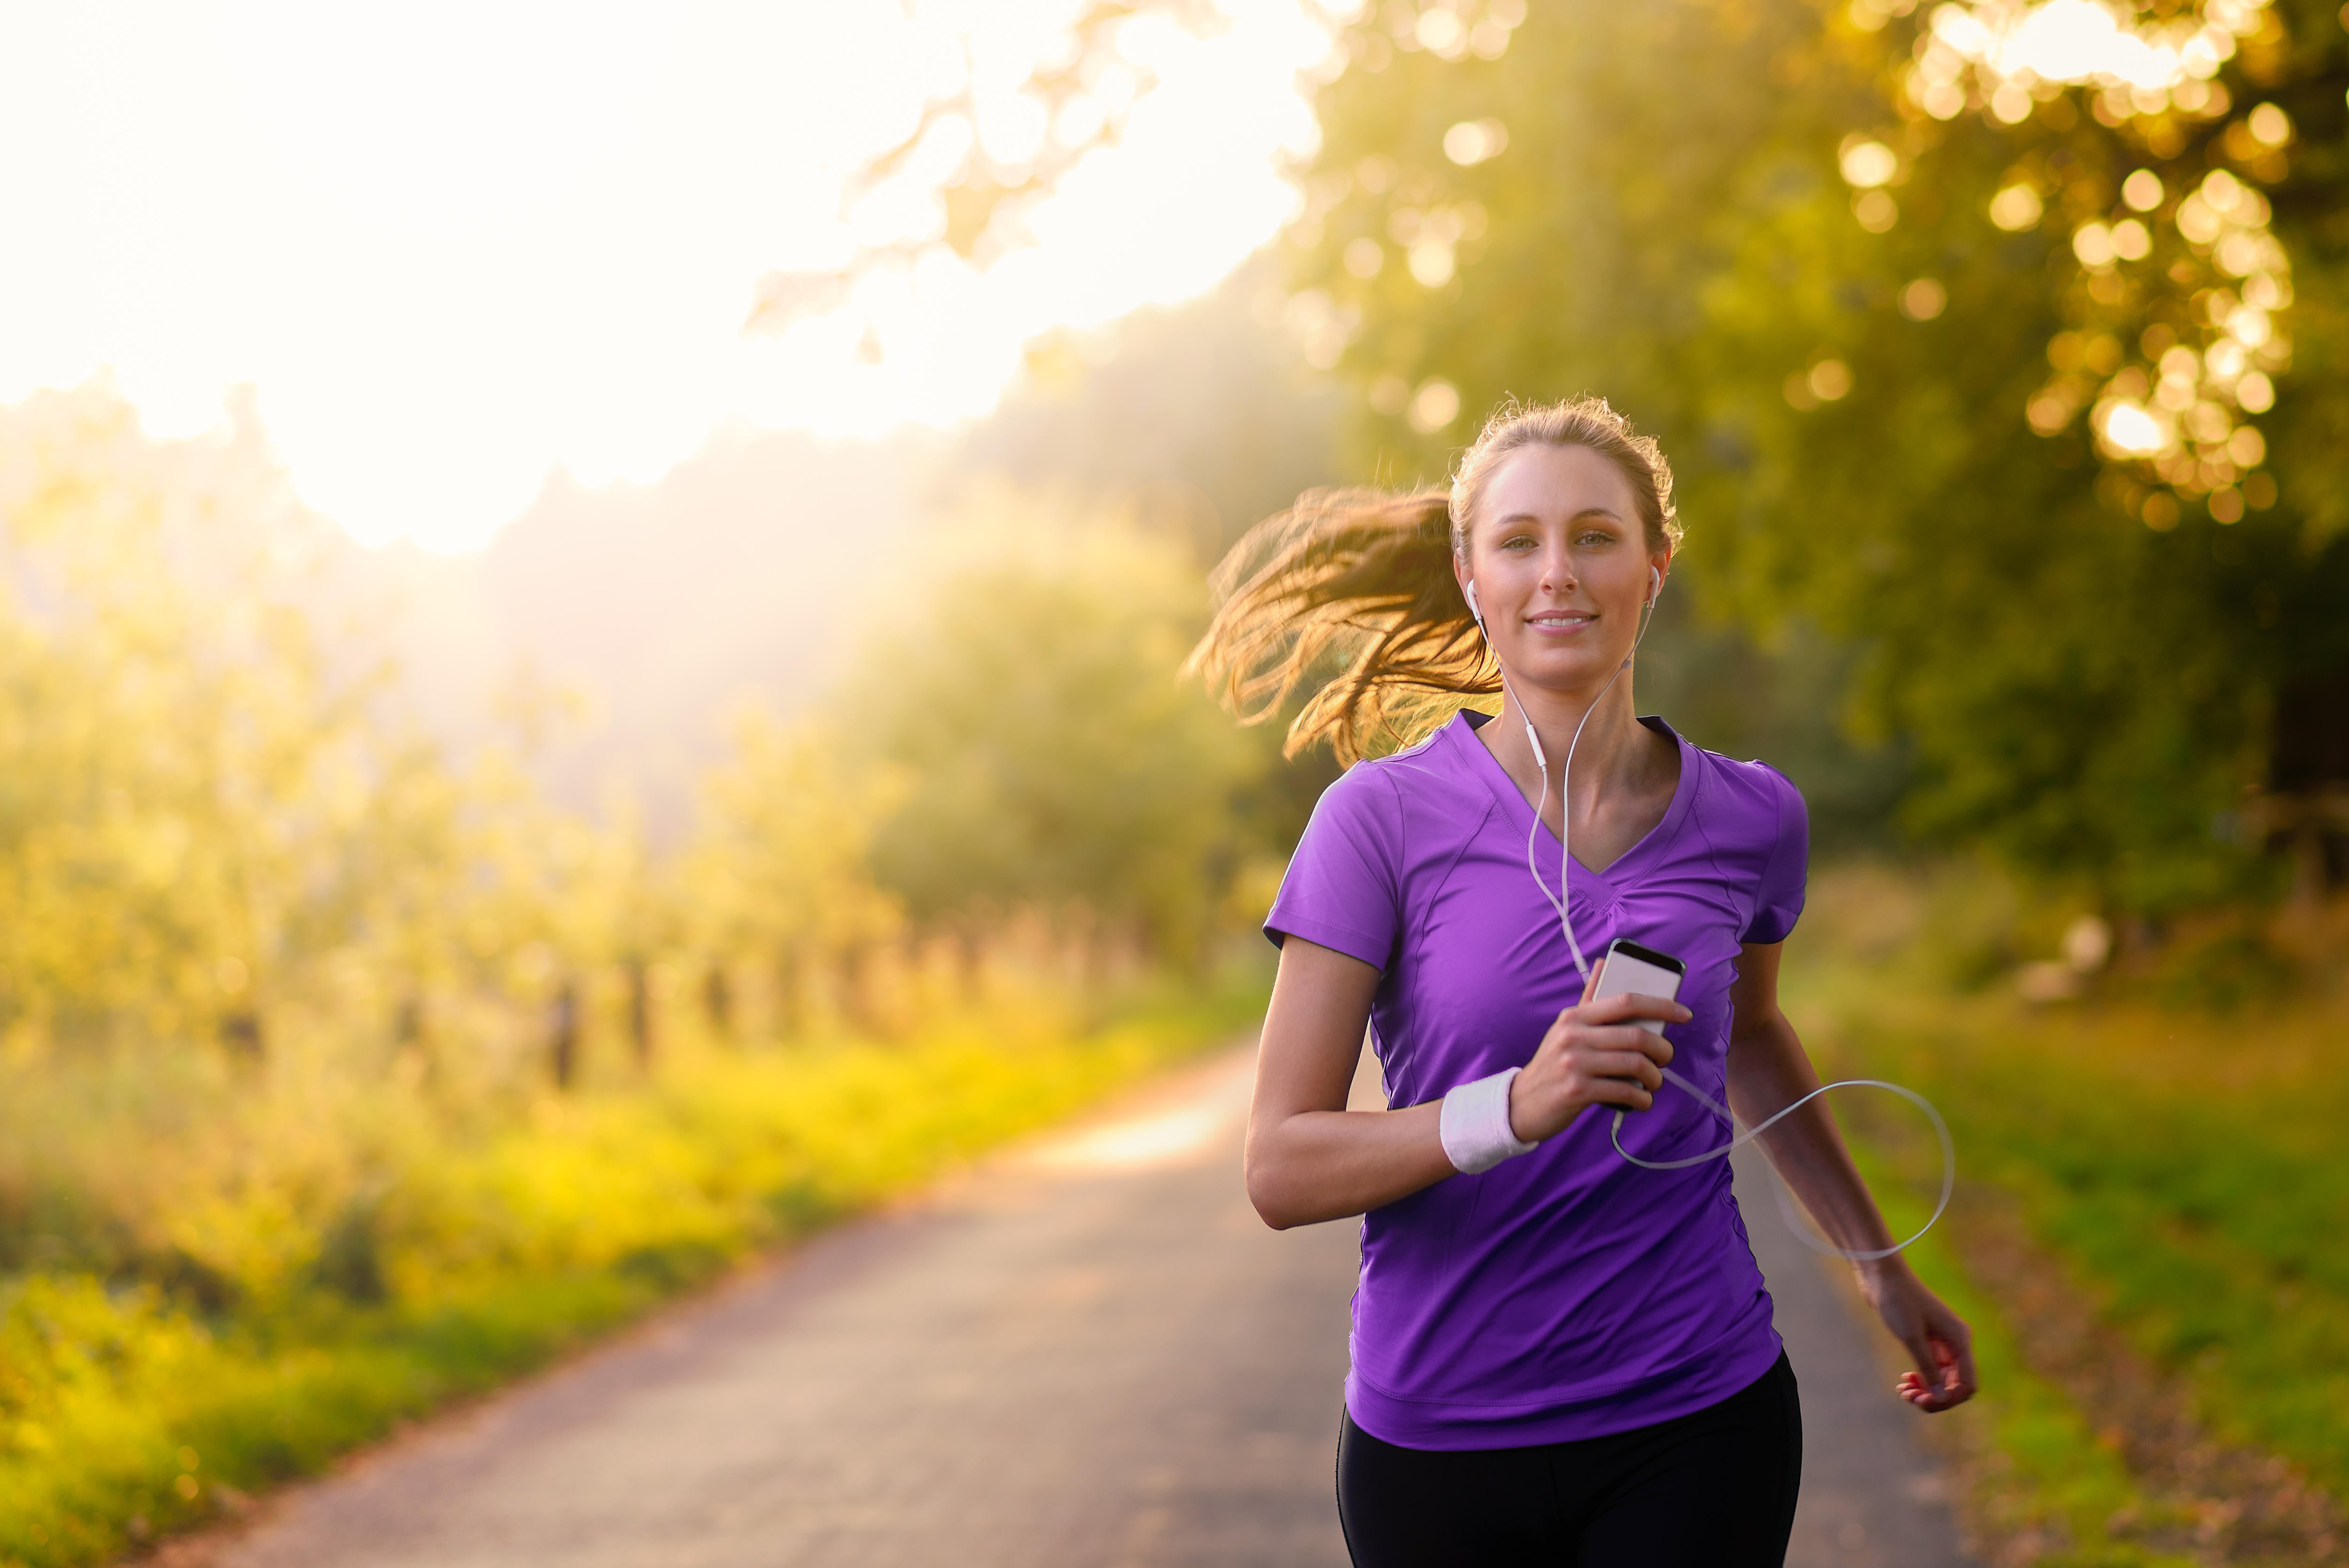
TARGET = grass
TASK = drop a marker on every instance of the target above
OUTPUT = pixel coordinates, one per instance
(468, 1253)
(2180, 1167)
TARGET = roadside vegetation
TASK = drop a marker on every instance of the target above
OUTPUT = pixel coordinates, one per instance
(398, 1252)
(2153, 1189)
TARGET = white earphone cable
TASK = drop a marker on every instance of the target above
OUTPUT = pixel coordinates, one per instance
(1786, 1209)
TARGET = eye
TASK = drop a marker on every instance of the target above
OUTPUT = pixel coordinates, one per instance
(1520, 542)
(1594, 538)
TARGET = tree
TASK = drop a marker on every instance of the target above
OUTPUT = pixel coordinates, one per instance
(1942, 373)
(211, 821)
(777, 874)
(1052, 761)
(180, 765)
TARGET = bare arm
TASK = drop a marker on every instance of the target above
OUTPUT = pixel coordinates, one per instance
(1309, 1159)
(1769, 1070)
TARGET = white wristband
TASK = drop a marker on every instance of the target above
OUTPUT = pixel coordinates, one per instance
(1474, 1124)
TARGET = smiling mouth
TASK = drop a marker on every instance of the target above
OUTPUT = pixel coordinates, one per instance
(1560, 621)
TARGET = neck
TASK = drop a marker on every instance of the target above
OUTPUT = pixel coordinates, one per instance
(1614, 750)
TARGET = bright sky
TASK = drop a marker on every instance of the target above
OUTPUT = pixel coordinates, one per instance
(454, 246)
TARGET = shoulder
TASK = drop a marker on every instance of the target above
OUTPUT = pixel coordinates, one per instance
(1373, 831)
(1428, 777)
(1405, 802)
(1363, 794)
(1759, 831)
(1752, 799)
(1751, 815)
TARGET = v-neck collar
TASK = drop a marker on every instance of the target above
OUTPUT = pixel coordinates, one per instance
(1461, 731)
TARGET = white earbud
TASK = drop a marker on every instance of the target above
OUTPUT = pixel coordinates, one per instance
(1475, 614)
(1655, 584)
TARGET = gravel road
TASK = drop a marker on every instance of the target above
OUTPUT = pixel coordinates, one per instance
(1088, 1354)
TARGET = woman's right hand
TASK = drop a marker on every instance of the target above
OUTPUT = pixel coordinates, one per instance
(1596, 1054)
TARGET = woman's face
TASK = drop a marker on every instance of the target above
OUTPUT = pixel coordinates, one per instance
(1561, 566)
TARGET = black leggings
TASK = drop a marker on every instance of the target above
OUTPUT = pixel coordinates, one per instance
(1715, 1488)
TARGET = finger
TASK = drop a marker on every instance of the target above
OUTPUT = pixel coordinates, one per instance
(1630, 1005)
(1628, 1039)
(1626, 1092)
(1624, 1038)
(1959, 1378)
(1932, 1398)
(1955, 1342)
(1928, 1369)
(1629, 1065)
(1916, 1392)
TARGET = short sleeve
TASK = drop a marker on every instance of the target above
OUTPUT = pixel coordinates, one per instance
(1778, 900)
(1344, 885)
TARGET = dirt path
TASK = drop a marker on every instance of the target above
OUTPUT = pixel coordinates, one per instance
(1088, 1354)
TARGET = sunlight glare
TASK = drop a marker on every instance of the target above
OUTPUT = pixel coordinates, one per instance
(449, 270)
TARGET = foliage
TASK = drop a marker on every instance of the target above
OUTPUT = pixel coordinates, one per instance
(1054, 761)
(170, 745)
(211, 822)
(778, 868)
(1744, 223)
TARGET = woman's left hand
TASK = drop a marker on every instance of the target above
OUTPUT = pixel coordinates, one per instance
(1937, 1338)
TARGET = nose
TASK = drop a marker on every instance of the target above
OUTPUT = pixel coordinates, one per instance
(1558, 569)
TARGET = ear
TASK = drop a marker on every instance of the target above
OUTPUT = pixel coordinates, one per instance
(1467, 585)
(1660, 566)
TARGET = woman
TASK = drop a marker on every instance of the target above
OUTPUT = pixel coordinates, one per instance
(1565, 1358)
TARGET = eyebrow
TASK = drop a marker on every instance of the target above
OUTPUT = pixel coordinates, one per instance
(1587, 512)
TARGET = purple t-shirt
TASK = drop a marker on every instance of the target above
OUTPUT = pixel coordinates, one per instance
(1564, 1293)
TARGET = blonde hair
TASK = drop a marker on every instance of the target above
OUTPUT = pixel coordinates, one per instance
(1350, 592)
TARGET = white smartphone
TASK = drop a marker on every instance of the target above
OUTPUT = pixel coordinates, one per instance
(1632, 969)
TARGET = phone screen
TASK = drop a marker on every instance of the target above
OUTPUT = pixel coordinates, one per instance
(1632, 969)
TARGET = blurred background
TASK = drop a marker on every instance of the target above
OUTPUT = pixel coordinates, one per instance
(589, 608)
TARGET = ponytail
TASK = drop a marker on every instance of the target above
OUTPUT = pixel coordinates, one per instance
(1353, 590)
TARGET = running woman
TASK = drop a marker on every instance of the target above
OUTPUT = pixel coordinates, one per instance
(1562, 1358)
